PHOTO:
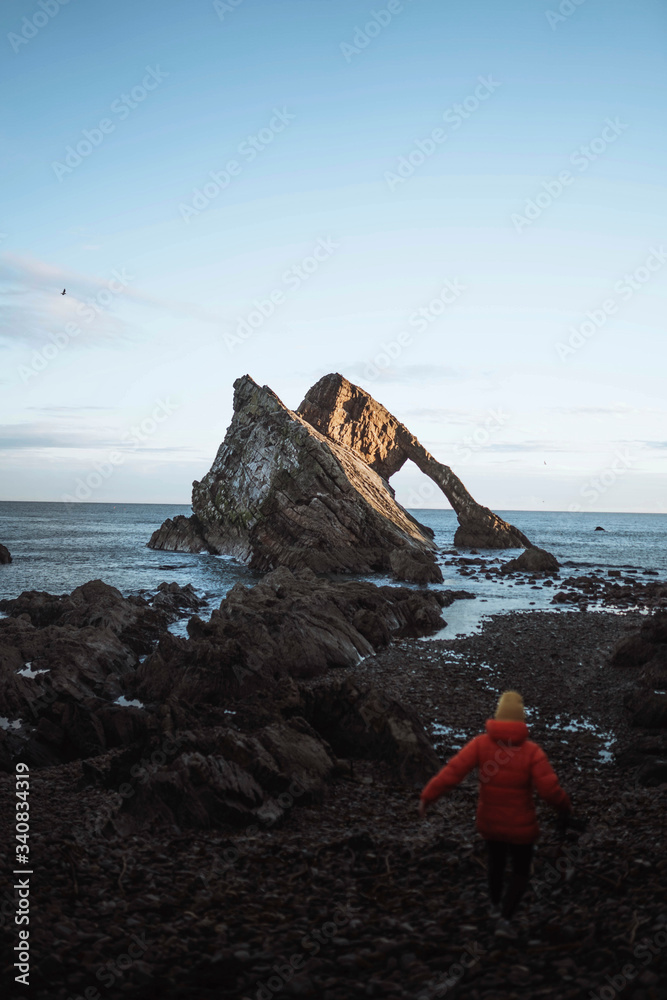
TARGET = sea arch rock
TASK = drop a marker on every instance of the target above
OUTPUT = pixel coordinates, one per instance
(348, 415)
(279, 493)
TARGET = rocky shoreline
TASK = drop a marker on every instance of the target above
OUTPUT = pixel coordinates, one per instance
(307, 873)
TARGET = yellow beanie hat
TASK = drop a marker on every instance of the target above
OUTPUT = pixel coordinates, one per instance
(510, 707)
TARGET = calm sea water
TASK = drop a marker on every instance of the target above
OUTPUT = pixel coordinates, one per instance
(57, 547)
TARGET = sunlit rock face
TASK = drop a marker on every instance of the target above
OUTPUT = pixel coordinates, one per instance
(280, 493)
(349, 416)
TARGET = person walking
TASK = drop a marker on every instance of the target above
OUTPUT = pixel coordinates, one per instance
(510, 767)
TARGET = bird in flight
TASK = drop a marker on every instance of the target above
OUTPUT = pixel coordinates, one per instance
(63, 291)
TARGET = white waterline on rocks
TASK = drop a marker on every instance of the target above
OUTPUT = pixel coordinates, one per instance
(586, 725)
(27, 671)
(179, 628)
(461, 736)
(6, 724)
(128, 703)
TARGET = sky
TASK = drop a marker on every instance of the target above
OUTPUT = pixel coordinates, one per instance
(459, 207)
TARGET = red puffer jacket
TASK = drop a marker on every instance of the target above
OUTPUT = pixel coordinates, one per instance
(510, 767)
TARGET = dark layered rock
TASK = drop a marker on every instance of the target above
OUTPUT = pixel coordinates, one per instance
(646, 647)
(225, 778)
(533, 560)
(95, 604)
(175, 600)
(645, 652)
(289, 624)
(629, 591)
(348, 415)
(360, 721)
(5, 555)
(221, 776)
(78, 663)
(180, 534)
(647, 709)
(67, 661)
(55, 681)
(280, 494)
(652, 773)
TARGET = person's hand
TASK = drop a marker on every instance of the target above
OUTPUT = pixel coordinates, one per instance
(422, 809)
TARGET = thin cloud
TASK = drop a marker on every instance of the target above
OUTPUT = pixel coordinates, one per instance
(41, 276)
(66, 409)
(32, 305)
(28, 437)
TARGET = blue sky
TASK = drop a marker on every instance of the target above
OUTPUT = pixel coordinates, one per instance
(369, 159)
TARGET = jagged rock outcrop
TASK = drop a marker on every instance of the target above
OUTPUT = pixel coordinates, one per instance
(279, 493)
(53, 682)
(95, 604)
(646, 651)
(289, 624)
(180, 534)
(221, 776)
(5, 555)
(533, 560)
(66, 662)
(225, 778)
(348, 415)
(361, 721)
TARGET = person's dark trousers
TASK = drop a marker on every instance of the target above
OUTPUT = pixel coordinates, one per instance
(521, 856)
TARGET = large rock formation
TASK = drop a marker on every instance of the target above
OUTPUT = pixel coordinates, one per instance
(226, 778)
(348, 415)
(66, 663)
(533, 560)
(311, 489)
(75, 680)
(222, 776)
(288, 625)
(5, 555)
(646, 651)
(279, 493)
(359, 721)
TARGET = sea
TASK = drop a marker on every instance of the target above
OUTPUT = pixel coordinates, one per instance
(57, 547)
